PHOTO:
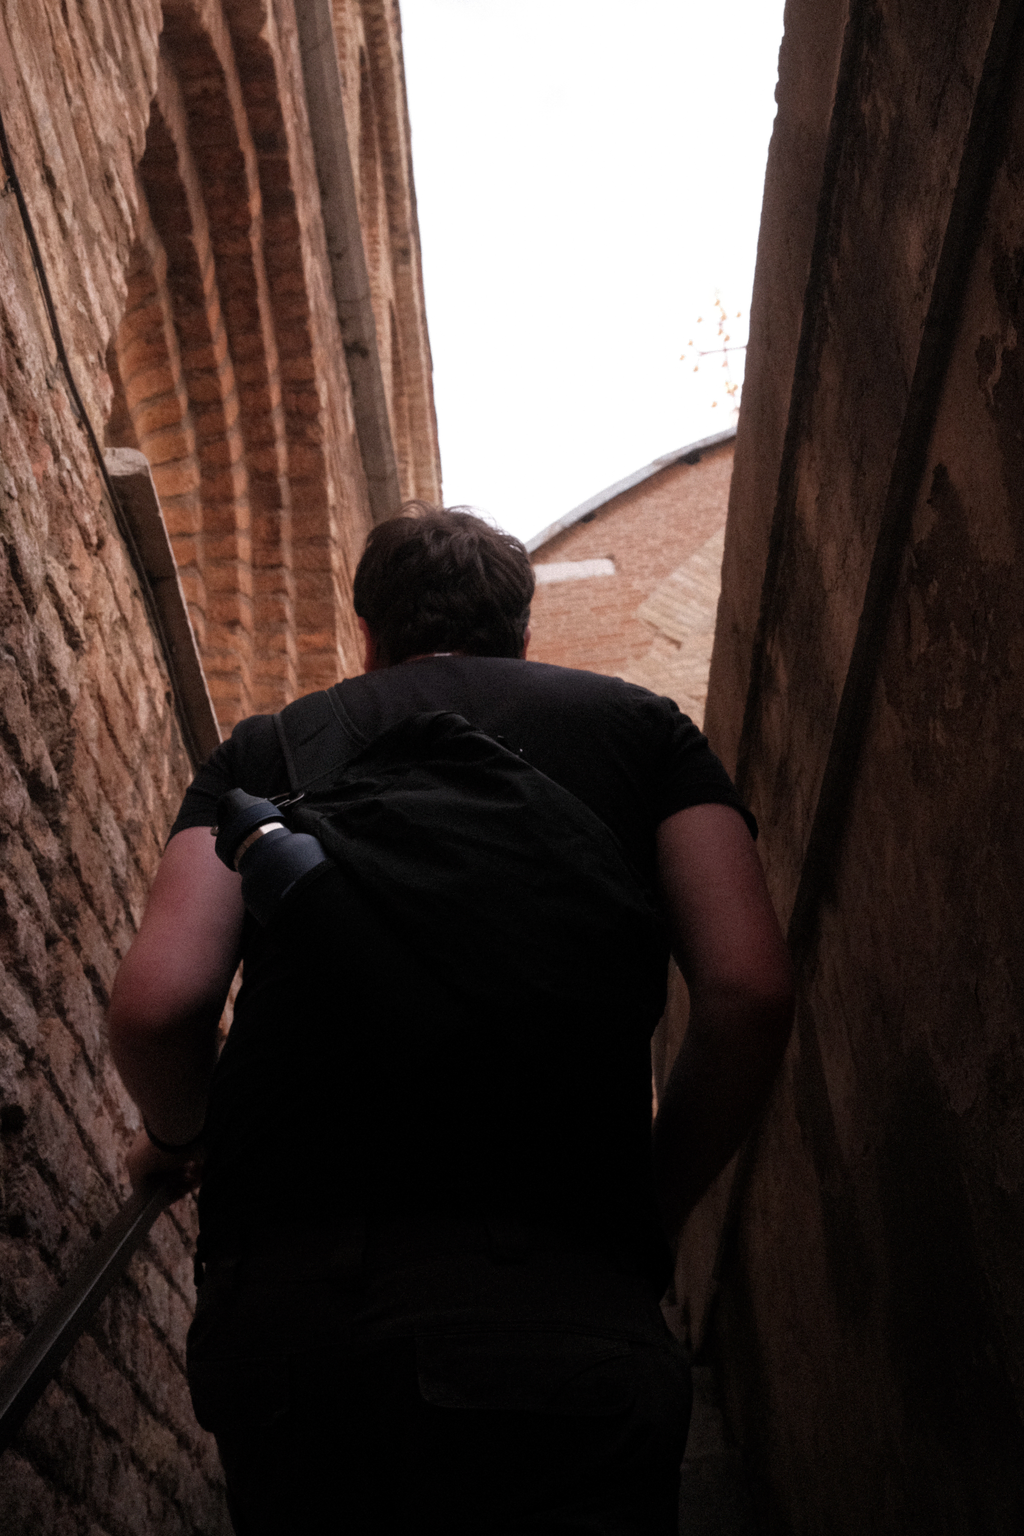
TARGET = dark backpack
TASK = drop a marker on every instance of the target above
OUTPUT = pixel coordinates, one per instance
(490, 871)
(452, 1016)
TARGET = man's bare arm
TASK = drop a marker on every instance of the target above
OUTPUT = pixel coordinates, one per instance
(730, 949)
(170, 990)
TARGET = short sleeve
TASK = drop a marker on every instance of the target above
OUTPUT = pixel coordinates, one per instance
(250, 759)
(691, 774)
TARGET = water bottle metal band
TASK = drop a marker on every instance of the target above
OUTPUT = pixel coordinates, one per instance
(257, 832)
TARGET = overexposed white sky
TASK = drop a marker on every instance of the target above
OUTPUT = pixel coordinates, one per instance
(589, 177)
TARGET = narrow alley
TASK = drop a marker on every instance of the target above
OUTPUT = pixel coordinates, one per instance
(215, 382)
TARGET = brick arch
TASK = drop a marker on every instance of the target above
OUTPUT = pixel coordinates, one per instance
(180, 389)
(395, 275)
(213, 369)
(255, 454)
(375, 195)
(326, 539)
(151, 407)
(199, 46)
(400, 412)
(372, 207)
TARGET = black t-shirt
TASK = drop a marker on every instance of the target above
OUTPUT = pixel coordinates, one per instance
(358, 1082)
(628, 754)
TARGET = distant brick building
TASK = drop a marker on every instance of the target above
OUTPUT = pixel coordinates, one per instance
(221, 192)
(627, 583)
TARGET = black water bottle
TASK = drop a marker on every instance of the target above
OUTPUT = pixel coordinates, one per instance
(252, 838)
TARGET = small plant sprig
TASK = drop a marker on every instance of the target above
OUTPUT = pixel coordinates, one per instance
(719, 317)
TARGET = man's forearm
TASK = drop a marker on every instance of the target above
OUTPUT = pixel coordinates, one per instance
(730, 949)
(716, 1090)
(170, 991)
(167, 1071)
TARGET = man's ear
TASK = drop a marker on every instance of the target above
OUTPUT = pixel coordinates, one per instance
(371, 660)
(527, 633)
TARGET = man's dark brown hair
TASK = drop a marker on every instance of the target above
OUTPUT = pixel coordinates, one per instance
(441, 579)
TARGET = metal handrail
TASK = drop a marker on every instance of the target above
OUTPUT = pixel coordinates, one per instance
(71, 1310)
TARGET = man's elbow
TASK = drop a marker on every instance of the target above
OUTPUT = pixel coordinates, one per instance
(774, 1011)
(137, 1021)
(147, 1008)
(773, 997)
(757, 1005)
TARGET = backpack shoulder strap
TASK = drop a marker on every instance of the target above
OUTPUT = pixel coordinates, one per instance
(316, 737)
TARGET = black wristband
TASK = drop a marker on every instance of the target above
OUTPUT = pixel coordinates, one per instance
(171, 1148)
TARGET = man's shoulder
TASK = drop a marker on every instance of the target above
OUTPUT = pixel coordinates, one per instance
(502, 674)
(601, 692)
(547, 674)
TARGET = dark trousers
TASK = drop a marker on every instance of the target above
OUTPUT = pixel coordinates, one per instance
(470, 1427)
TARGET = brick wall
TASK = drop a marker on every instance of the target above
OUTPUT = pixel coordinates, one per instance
(165, 156)
(370, 50)
(229, 366)
(92, 764)
(652, 621)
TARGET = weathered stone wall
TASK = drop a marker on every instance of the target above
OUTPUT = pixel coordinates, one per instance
(165, 155)
(866, 688)
(652, 621)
